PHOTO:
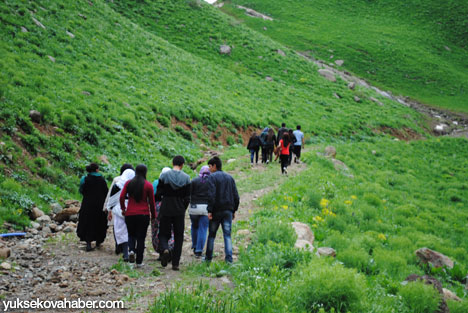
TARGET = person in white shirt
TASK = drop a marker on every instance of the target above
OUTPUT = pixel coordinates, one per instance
(298, 144)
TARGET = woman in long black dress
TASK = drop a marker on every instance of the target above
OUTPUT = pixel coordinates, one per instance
(92, 223)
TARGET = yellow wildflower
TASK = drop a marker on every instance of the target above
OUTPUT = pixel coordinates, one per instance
(348, 202)
(324, 202)
(285, 207)
(318, 218)
(314, 225)
(353, 197)
(382, 237)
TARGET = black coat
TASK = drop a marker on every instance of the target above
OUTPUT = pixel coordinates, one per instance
(92, 223)
(254, 143)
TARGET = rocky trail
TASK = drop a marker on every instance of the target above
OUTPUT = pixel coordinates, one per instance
(50, 263)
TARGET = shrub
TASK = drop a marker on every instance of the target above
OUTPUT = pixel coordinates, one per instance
(356, 258)
(420, 298)
(164, 121)
(186, 134)
(230, 140)
(46, 111)
(276, 231)
(320, 284)
(458, 307)
(69, 122)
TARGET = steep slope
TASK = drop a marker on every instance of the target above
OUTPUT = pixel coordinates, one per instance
(415, 48)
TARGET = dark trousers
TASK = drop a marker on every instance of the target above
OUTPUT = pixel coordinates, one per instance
(137, 226)
(284, 158)
(166, 225)
(223, 218)
(254, 152)
(267, 154)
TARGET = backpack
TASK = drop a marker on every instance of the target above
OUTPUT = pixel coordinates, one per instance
(263, 138)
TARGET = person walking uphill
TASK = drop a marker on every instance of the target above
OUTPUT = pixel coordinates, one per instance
(284, 145)
(298, 144)
(92, 223)
(174, 193)
(138, 212)
(222, 206)
(253, 146)
(199, 194)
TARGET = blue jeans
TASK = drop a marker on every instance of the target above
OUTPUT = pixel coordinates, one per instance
(199, 230)
(225, 219)
(253, 152)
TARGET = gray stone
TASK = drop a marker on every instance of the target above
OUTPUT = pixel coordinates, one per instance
(339, 62)
(70, 34)
(352, 85)
(65, 214)
(376, 101)
(303, 232)
(357, 99)
(5, 253)
(225, 49)
(35, 225)
(449, 295)
(56, 208)
(326, 251)
(330, 152)
(435, 258)
(24, 29)
(44, 219)
(74, 218)
(230, 161)
(447, 48)
(51, 58)
(35, 116)
(337, 95)
(36, 213)
(254, 13)
(304, 245)
(38, 23)
(5, 266)
(68, 229)
(269, 78)
(327, 74)
(441, 129)
(281, 52)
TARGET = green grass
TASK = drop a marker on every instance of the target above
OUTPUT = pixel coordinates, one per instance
(396, 45)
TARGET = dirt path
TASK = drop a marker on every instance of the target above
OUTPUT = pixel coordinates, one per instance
(57, 266)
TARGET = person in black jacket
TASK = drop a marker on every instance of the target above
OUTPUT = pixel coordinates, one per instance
(281, 131)
(253, 146)
(174, 193)
(222, 206)
(199, 197)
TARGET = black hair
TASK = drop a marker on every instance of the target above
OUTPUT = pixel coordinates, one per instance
(216, 161)
(178, 160)
(136, 185)
(298, 127)
(283, 124)
(286, 139)
(93, 167)
(124, 167)
(271, 134)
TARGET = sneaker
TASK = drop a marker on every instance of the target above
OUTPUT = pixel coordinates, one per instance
(198, 255)
(175, 267)
(131, 257)
(165, 258)
(140, 265)
(285, 171)
(88, 247)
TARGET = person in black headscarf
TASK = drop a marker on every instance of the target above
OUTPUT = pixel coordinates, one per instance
(92, 223)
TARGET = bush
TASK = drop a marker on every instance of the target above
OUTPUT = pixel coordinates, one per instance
(230, 140)
(320, 284)
(458, 307)
(420, 298)
(46, 111)
(69, 122)
(164, 121)
(276, 231)
(355, 257)
(186, 134)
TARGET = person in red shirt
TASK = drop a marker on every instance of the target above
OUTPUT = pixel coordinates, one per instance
(137, 213)
(284, 145)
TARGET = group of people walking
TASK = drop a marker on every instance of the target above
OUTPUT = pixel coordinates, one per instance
(132, 203)
(286, 143)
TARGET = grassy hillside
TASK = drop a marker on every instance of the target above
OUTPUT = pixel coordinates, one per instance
(108, 84)
(415, 48)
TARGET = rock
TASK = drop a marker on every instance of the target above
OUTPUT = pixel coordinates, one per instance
(103, 158)
(36, 213)
(86, 93)
(254, 13)
(281, 52)
(435, 258)
(352, 85)
(243, 232)
(38, 23)
(51, 58)
(46, 231)
(330, 152)
(82, 16)
(70, 203)
(225, 49)
(327, 74)
(441, 129)
(449, 295)
(35, 225)
(53, 227)
(264, 28)
(68, 229)
(65, 214)
(304, 244)
(339, 166)
(5, 266)
(269, 78)
(24, 29)
(35, 116)
(325, 251)
(230, 161)
(56, 208)
(44, 219)
(447, 48)
(5, 253)
(376, 101)
(339, 62)
(303, 232)
(337, 96)
(70, 34)
(374, 152)
(357, 99)
(74, 218)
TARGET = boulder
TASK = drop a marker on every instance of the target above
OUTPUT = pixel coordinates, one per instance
(435, 258)
(56, 208)
(225, 49)
(5, 253)
(326, 251)
(449, 295)
(327, 74)
(303, 232)
(330, 152)
(357, 99)
(35, 116)
(5, 266)
(352, 85)
(44, 219)
(36, 213)
(65, 214)
(339, 62)
(304, 245)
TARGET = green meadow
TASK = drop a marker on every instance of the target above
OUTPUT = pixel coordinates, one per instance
(141, 81)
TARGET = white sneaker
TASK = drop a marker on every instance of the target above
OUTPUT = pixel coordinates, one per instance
(131, 257)
(140, 265)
